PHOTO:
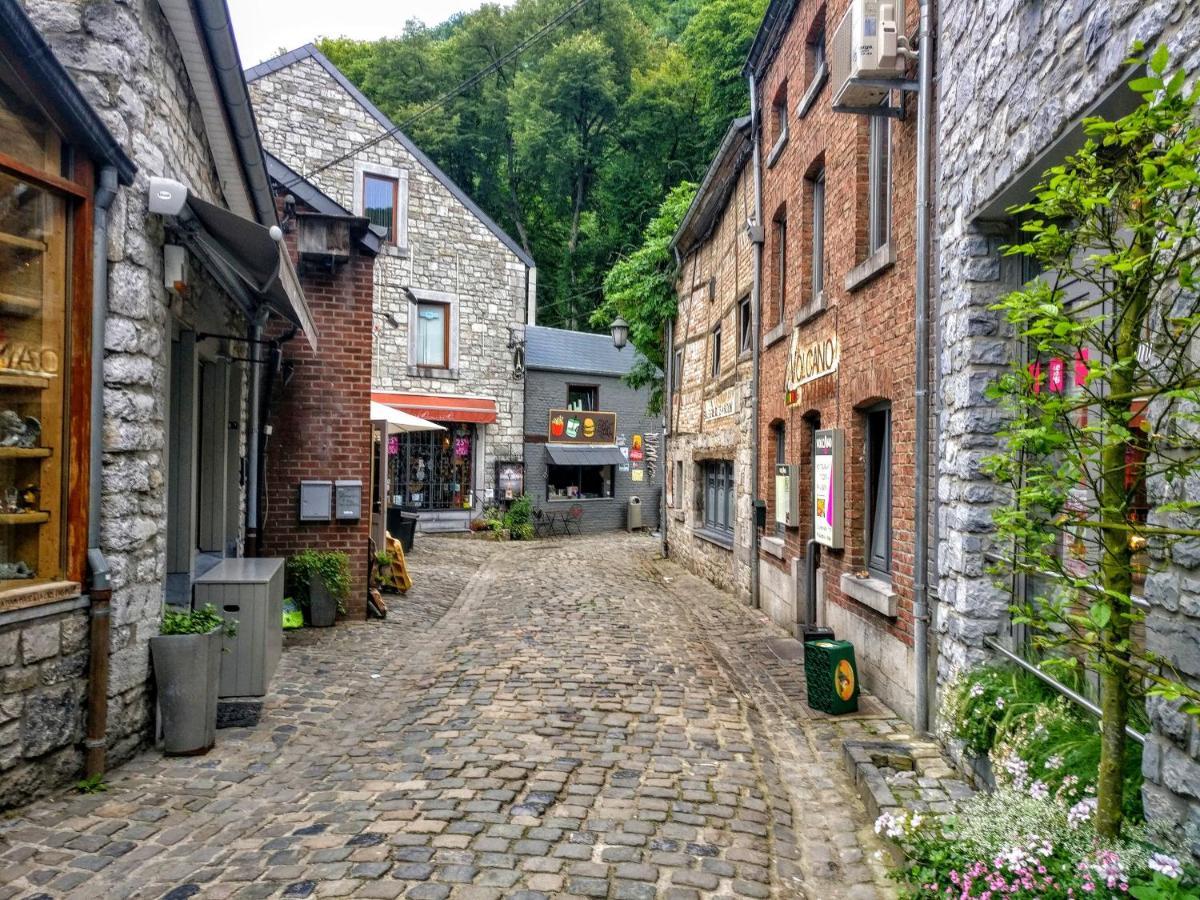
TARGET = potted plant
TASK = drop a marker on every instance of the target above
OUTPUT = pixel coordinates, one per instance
(187, 667)
(320, 580)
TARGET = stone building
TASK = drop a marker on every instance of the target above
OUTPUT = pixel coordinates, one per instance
(710, 521)
(606, 459)
(838, 346)
(451, 288)
(121, 479)
(1023, 78)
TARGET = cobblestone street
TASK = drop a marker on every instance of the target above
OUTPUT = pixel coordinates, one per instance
(571, 718)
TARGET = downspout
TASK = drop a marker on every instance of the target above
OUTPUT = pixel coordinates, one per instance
(252, 428)
(921, 426)
(100, 589)
(755, 317)
(664, 458)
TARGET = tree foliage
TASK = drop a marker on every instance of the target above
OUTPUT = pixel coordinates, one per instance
(572, 145)
(1105, 474)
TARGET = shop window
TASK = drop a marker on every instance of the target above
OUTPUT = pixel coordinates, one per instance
(817, 184)
(381, 200)
(715, 369)
(583, 398)
(579, 482)
(718, 510)
(781, 262)
(35, 355)
(879, 181)
(433, 335)
(779, 438)
(745, 326)
(432, 470)
(878, 499)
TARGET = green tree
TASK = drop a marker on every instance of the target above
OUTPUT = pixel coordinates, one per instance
(641, 289)
(1116, 223)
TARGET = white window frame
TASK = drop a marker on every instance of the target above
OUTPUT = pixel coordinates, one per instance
(362, 169)
(879, 182)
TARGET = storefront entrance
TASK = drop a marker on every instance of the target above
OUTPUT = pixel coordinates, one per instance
(433, 471)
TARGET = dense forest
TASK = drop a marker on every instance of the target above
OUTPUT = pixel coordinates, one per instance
(574, 141)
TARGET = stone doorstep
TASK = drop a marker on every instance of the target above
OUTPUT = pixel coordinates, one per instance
(866, 760)
(239, 712)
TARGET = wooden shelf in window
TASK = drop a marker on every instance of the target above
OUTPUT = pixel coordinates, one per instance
(37, 382)
(20, 304)
(15, 240)
(24, 452)
(24, 518)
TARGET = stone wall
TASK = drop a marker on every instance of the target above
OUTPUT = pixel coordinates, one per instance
(545, 391)
(697, 434)
(307, 118)
(125, 59)
(1023, 73)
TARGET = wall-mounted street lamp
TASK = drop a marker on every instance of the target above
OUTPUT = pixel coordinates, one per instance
(620, 332)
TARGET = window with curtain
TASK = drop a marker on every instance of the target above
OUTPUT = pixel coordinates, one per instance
(380, 196)
(433, 335)
(878, 500)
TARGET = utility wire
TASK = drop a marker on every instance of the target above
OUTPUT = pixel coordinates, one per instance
(449, 95)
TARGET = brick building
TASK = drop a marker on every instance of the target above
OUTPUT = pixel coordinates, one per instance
(452, 290)
(837, 341)
(320, 402)
(571, 372)
(710, 513)
(1013, 109)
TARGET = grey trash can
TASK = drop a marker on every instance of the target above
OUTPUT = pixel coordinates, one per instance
(250, 591)
(633, 518)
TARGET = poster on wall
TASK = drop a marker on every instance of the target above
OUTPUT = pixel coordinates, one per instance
(639, 474)
(510, 479)
(828, 483)
(636, 453)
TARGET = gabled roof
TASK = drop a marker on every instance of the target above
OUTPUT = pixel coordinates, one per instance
(311, 195)
(559, 350)
(24, 47)
(770, 35)
(309, 51)
(714, 191)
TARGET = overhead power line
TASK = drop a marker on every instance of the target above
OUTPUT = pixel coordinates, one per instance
(451, 94)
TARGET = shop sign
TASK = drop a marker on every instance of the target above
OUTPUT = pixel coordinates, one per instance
(510, 479)
(573, 427)
(828, 488)
(26, 359)
(636, 454)
(722, 405)
(809, 359)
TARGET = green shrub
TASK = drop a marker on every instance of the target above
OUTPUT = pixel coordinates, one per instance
(518, 520)
(332, 566)
(196, 621)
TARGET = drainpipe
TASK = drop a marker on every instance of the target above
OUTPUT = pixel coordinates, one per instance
(921, 429)
(252, 427)
(664, 459)
(100, 590)
(755, 307)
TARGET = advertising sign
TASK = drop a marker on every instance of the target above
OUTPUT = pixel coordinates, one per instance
(810, 358)
(636, 453)
(828, 488)
(722, 405)
(510, 479)
(568, 426)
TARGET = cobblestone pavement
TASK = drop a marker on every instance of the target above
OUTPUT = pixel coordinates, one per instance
(556, 719)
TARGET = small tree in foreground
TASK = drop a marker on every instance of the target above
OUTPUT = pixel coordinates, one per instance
(1106, 411)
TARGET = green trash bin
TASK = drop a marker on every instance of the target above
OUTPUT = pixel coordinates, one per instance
(832, 676)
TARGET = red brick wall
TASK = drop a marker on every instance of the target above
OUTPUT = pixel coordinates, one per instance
(874, 323)
(321, 419)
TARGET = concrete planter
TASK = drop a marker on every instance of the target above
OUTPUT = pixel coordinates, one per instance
(187, 668)
(322, 607)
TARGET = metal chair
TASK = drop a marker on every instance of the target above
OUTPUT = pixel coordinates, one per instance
(572, 518)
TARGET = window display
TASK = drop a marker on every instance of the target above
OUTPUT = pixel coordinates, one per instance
(579, 482)
(433, 469)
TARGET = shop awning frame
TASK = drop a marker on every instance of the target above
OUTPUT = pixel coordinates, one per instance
(441, 407)
(400, 422)
(576, 455)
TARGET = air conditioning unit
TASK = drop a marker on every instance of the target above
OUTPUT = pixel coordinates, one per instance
(866, 51)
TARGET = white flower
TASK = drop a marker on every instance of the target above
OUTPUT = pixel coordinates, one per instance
(1012, 859)
(889, 826)
(1165, 865)
(1054, 763)
(999, 703)
(1039, 791)
(915, 821)
(1081, 812)
(977, 690)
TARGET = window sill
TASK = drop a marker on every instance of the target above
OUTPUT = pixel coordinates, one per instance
(871, 267)
(721, 539)
(772, 545)
(427, 372)
(580, 499)
(394, 250)
(811, 310)
(773, 156)
(37, 600)
(871, 593)
(776, 334)
(814, 90)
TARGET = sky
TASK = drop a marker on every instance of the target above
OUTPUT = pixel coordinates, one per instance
(265, 27)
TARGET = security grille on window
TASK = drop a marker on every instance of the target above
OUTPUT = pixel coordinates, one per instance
(818, 234)
(745, 326)
(716, 352)
(878, 500)
(879, 182)
(380, 201)
(433, 335)
(718, 496)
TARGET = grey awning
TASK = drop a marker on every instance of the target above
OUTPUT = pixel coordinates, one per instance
(570, 455)
(242, 254)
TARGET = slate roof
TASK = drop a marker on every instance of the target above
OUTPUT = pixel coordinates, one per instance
(559, 350)
(307, 192)
(309, 51)
(716, 188)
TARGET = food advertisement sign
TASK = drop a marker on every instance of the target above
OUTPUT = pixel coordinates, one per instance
(636, 453)
(568, 426)
(828, 483)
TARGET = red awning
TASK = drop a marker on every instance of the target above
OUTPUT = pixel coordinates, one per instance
(441, 407)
